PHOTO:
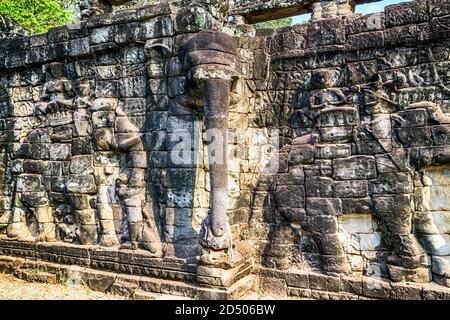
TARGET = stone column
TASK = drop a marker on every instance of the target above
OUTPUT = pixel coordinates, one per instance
(216, 98)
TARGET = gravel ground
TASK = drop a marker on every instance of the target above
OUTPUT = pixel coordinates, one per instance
(12, 288)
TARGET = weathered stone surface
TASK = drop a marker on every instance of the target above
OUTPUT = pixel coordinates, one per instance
(336, 136)
(351, 189)
(324, 283)
(406, 13)
(101, 281)
(374, 288)
(357, 167)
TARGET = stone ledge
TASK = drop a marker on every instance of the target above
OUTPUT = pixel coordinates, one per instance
(319, 286)
(124, 261)
(139, 287)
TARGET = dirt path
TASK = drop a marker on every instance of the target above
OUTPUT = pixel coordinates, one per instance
(12, 288)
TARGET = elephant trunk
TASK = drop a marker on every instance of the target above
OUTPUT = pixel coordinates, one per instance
(216, 98)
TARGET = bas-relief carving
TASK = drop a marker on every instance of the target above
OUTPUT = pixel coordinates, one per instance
(350, 133)
(363, 148)
(82, 172)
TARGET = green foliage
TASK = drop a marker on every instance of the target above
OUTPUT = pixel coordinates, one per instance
(285, 22)
(37, 16)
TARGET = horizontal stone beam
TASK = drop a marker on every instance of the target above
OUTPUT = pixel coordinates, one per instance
(265, 10)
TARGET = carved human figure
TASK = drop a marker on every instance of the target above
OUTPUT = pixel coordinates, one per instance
(121, 163)
(325, 165)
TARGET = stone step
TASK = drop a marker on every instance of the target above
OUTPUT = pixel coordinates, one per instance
(122, 284)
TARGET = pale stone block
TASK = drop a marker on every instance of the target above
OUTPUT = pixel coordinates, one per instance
(439, 176)
(107, 226)
(440, 198)
(201, 198)
(356, 262)
(370, 242)
(355, 223)
(350, 243)
(441, 221)
(180, 198)
(105, 212)
(44, 214)
(5, 217)
(134, 214)
(437, 244)
(441, 266)
(423, 198)
(369, 255)
(373, 271)
(82, 164)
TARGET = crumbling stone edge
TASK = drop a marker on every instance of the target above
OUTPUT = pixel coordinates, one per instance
(132, 286)
(306, 285)
(340, 287)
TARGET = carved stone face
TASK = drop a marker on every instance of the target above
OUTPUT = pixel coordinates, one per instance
(103, 139)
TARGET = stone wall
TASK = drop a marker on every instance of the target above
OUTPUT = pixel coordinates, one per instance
(362, 105)
(88, 111)
(337, 153)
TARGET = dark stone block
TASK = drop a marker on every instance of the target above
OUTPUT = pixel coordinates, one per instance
(438, 7)
(36, 151)
(319, 187)
(297, 280)
(79, 47)
(401, 36)
(326, 32)
(441, 135)
(406, 13)
(323, 206)
(295, 176)
(324, 283)
(18, 44)
(82, 145)
(193, 20)
(34, 166)
(303, 154)
(57, 51)
(361, 205)
(58, 34)
(365, 40)
(412, 137)
(405, 292)
(101, 281)
(350, 189)
(395, 203)
(126, 33)
(366, 23)
(290, 196)
(351, 285)
(392, 183)
(430, 293)
(413, 118)
(323, 224)
(293, 215)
